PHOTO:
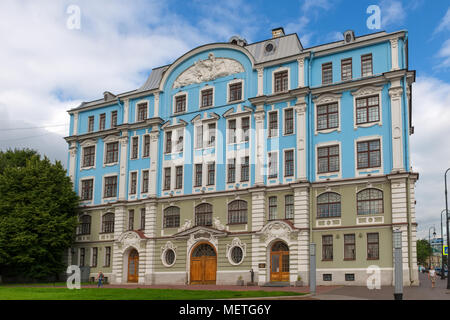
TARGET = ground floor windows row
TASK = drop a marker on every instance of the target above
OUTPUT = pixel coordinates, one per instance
(373, 247)
(93, 254)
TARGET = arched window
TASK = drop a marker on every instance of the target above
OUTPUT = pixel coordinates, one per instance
(370, 201)
(172, 217)
(108, 223)
(203, 215)
(328, 205)
(237, 212)
(85, 225)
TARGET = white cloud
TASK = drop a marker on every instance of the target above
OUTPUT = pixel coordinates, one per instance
(445, 23)
(392, 13)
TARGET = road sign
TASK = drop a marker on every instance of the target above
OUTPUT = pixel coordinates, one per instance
(445, 250)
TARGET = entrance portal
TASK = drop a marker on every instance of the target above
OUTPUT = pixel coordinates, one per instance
(133, 266)
(279, 262)
(203, 264)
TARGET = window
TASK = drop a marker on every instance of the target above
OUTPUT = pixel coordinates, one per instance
(346, 69)
(289, 206)
(85, 225)
(146, 146)
(328, 205)
(289, 121)
(370, 201)
(328, 159)
(327, 116)
(235, 92)
(369, 154)
(327, 277)
(245, 123)
(180, 103)
(373, 246)
(113, 119)
(133, 183)
(237, 212)
(169, 257)
(199, 137)
(367, 110)
(178, 177)
(142, 111)
(327, 73)
(281, 81)
(273, 165)
(245, 169)
(289, 163)
(87, 187)
(94, 257)
(82, 257)
(91, 124)
(231, 170)
(232, 131)
(366, 65)
(130, 219)
(110, 187)
(134, 147)
(327, 248)
(272, 208)
(198, 174)
(203, 215)
(207, 98)
(112, 152)
(102, 122)
(273, 124)
(166, 178)
(108, 223)
(211, 173)
(142, 219)
(236, 255)
(168, 141)
(107, 256)
(145, 181)
(180, 138)
(211, 135)
(349, 277)
(349, 247)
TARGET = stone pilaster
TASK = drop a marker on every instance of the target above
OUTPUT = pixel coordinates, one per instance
(150, 219)
(260, 81)
(394, 54)
(75, 124)
(73, 149)
(259, 145)
(301, 221)
(120, 213)
(123, 164)
(154, 157)
(117, 264)
(258, 209)
(301, 72)
(156, 114)
(396, 93)
(300, 110)
(126, 110)
(149, 262)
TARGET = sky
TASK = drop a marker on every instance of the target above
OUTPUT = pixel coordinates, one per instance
(50, 63)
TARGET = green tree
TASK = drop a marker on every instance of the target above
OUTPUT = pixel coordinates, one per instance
(38, 215)
(423, 251)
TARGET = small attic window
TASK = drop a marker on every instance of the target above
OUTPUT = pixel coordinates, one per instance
(270, 47)
(349, 36)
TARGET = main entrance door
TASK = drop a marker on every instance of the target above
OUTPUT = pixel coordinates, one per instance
(133, 266)
(203, 265)
(279, 262)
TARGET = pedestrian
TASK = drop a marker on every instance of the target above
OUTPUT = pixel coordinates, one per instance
(100, 279)
(432, 276)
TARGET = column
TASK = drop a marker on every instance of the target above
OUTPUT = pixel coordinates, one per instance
(394, 54)
(300, 110)
(260, 81)
(126, 110)
(154, 156)
(123, 141)
(75, 124)
(73, 161)
(301, 72)
(156, 114)
(396, 93)
(259, 143)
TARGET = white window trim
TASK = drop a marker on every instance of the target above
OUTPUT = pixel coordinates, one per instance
(268, 123)
(143, 146)
(207, 87)
(175, 177)
(327, 98)
(293, 177)
(273, 180)
(142, 182)
(80, 184)
(137, 183)
(106, 141)
(236, 242)
(239, 164)
(193, 176)
(207, 174)
(115, 174)
(294, 131)
(280, 69)
(136, 109)
(235, 132)
(206, 145)
(328, 175)
(365, 92)
(131, 147)
(174, 151)
(196, 126)
(236, 180)
(164, 251)
(174, 98)
(234, 81)
(85, 144)
(369, 171)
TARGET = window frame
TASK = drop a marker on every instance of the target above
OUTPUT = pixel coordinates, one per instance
(365, 56)
(114, 118)
(272, 207)
(83, 162)
(325, 67)
(350, 244)
(134, 152)
(201, 94)
(272, 132)
(285, 80)
(108, 225)
(240, 211)
(377, 244)
(328, 147)
(82, 198)
(114, 151)
(178, 177)
(230, 86)
(133, 183)
(327, 245)
(142, 105)
(370, 200)
(328, 113)
(285, 122)
(292, 161)
(346, 62)
(286, 204)
(171, 219)
(91, 124)
(328, 204)
(205, 216)
(368, 152)
(176, 97)
(145, 181)
(167, 178)
(105, 186)
(102, 122)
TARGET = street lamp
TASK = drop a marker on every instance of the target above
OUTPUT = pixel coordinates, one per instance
(442, 247)
(429, 241)
(446, 219)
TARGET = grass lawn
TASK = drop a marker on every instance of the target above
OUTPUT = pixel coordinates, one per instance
(39, 293)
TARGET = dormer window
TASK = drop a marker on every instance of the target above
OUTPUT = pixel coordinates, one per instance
(180, 103)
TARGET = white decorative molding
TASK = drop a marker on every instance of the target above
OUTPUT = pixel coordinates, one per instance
(327, 98)
(217, 224)
(363, 92)
(207, 70)
(168, 246)
(326, 223)
(187, 224)
(202, 235)
(130, 239)
(278, 230)
(236, 242)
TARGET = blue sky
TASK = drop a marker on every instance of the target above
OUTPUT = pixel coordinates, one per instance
(48, 68)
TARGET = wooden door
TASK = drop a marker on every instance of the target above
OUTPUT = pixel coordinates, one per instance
(279, 262)
(203, 265)
(133, 266)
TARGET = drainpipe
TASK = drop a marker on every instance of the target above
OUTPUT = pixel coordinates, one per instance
(408, 211)
(309, 146)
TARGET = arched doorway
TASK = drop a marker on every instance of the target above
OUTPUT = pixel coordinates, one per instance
(203, 264)
(133, 266)
(279, 262)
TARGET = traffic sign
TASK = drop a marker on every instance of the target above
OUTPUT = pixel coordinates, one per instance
(445, 250)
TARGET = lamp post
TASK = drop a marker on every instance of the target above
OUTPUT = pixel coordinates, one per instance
(442, 247)
(446, 219)
(429, 241)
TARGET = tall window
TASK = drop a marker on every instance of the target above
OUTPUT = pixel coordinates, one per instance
(198, 174)
(178, 177)
(327, 248)
(245, 169)
(231, 170)
(112, 152)
(327, 73)
(145, 175)
(101, 125)
(203, 215)
(366, 65)
(346, 69)
(370, 201)
(94, 257)
(82, 257)
(91, 124)
(134, 147)
(168, 141)
(113, 119)
(110, 187)
(108, 223)
(349, 247)
(328, 159)
(289, 121)
(142, 219)
(207, 98)
(131, 219)
(180, 103)
(272, 208)
(289, 206)
(166, 178)
(273, 124)
(142, 111)
(107, 256)
(211, 173)
(281, 81)
(373, 246)
(85, 225)
(87, 187)
(180, 139)
(289, 163)
(211, 134)
(199, 137)
(369, 154)
(232, 131)
(328, 205)
(133, 183)
(273, 165)
(367, 110)
(237, 212)
(146, 146)
(245, 122)
(172, 217)
(235, 92)
(327, 116)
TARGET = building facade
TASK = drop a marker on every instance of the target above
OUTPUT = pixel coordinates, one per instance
(230, 161)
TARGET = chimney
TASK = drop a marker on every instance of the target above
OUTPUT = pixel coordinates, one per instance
(277, 32)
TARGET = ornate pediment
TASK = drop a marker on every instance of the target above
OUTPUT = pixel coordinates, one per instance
(207, 70)
(278, 230)
(131, 239)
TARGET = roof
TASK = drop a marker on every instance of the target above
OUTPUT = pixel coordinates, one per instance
(285, 46)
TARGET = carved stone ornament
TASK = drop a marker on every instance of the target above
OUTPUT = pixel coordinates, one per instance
(327, 98)
(278, 230)
(207, 70)
(217, 224)
(202, 235)
(187, 224)
(130, 239)
(396, 92)
(236, 243)
(168, 245)
(367, 91)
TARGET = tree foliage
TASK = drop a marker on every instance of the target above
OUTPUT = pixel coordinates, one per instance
(424, 250)
(38, 215)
